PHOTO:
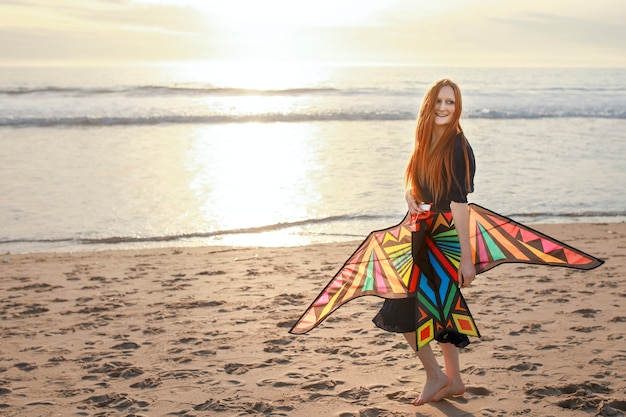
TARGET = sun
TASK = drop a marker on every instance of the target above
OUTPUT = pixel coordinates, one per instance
(279, 30)
(287, 13)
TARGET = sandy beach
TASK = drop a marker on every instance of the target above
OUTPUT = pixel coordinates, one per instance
(204, 331)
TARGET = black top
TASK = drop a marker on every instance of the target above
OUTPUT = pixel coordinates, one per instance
(458, 189)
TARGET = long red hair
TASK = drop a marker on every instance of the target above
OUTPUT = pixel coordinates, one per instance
(426, 165)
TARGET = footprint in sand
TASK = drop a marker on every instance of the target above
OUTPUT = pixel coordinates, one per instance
(33, 310)
(209, 405)
(609, 407)
(286, 324)
(235, 368)
(532, 328)
(478, 391)
(117, 369)
(585, 396)
(26, 367)
(117, 401)
(508, 356)
(151, 382)
(276, 345)
(401, 396)
(357, 393)
(524, 366)
(276, 383)
(369, 412)
(327, 350)
(493, 412)
(126, 346)
(322, 385)
(204, 352)
(474, 370)
(586, 329)
(72, 392)
(587, 312)
(547, 347)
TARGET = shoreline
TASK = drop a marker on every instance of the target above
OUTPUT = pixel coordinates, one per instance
(138, 244)
(203, 331)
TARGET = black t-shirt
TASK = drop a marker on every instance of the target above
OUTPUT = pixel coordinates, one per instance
(458, 189)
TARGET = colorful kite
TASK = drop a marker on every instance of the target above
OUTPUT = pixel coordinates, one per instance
(383, 266)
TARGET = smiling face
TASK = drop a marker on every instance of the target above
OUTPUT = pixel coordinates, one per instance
(445, 106)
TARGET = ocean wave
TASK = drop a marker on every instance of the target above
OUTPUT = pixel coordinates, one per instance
(246, 230)
(200, 119)
(212, 90)
(82, 121)
(600, 113)
(165, 91)
(197, 235)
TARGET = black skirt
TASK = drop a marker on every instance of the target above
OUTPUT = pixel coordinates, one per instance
(400, 316)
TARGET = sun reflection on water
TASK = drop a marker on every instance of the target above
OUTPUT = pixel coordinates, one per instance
(254, 174)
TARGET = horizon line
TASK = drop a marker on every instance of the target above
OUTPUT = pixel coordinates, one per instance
(148, 63)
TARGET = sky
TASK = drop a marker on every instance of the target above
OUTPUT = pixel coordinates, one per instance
(568, 33)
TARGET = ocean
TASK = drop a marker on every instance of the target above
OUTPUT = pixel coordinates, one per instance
(194, 154)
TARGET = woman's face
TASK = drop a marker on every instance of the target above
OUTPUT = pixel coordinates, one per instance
(445, 106)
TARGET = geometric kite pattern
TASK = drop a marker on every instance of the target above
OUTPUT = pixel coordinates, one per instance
(383, 266)
(496, 239)
(440, 304)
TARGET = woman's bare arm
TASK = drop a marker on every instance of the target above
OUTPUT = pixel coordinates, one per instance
(467, 271)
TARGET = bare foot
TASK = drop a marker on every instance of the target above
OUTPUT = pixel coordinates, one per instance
(450, 390)
(433, 387)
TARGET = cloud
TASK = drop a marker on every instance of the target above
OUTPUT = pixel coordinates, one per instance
(490, 33)
(105, 30)
(456, 32)
(550, 28)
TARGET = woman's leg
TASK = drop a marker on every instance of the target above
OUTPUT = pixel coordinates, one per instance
(453, 372)
(436, 380)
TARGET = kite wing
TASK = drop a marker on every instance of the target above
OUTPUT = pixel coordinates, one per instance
(380, 266)
(383, 266)
(496, 239)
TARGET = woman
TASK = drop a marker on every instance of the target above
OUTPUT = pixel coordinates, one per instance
(440, 172)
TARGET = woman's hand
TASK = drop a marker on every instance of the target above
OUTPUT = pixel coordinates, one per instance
(467, 272)
(413, 205)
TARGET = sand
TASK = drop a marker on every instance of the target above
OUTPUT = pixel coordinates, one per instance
(204, 331)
